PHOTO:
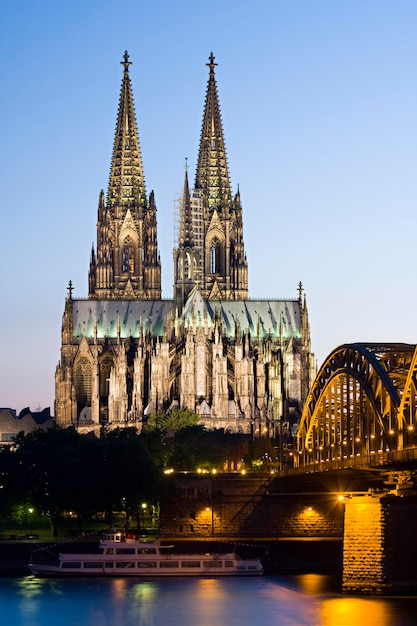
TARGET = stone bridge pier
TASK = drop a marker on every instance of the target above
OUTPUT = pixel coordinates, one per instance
(380, 543)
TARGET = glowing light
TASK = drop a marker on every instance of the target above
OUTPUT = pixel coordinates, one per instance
(347, 611)
(341, 498)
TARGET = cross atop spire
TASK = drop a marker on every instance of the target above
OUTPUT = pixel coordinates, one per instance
(212, 64)
(126, 61)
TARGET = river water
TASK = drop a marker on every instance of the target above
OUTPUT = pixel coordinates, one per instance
(303, 600)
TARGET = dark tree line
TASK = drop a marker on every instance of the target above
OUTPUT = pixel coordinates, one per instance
(60, 470)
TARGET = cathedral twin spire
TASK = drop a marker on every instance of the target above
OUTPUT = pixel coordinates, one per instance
(126, 182)
(210, 253)
(212, 175)
(127, 264)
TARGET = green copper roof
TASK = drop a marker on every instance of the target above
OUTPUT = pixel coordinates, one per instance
(108, 315)
(273, 318)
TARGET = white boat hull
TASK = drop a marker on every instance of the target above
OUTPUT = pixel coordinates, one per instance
(134, 558)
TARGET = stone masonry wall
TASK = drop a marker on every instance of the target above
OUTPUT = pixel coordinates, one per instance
(238, 507)
(363, 567)
(380, 544)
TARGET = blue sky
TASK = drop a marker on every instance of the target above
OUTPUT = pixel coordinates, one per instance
(319, 108)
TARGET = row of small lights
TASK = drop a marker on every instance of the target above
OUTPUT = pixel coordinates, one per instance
(357, 440)
(200, 471)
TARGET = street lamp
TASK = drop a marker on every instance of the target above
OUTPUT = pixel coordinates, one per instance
(30, 511)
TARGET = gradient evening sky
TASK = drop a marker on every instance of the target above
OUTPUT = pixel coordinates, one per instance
(319, 109)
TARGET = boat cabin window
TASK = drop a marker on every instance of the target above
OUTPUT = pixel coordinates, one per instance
(92, 564)
(228, 563)
(125, 550)
(147, 564)
(168, 564)
(71, 564)
(212, 563)
(114, 537)
(190, 564)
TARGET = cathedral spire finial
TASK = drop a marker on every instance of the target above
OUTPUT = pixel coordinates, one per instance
(300, 292)
(212, 64)
(126, 61)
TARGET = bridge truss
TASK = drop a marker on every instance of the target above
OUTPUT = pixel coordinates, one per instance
(363, 401)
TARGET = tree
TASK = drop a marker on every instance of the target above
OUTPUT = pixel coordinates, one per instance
(53, 472)
(129, 473)
(172, 420)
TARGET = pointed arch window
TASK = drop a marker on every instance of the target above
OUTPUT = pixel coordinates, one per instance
(104, 376)
(83, 383)
(213, 256)
(127, 256)
(188, 266)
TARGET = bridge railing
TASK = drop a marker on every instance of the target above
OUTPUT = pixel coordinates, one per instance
(393, 457)
(376, 460)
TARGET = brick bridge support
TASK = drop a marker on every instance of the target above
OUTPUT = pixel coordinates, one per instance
(380, 544)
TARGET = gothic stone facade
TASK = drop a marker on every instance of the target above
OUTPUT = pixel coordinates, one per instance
(242, 364)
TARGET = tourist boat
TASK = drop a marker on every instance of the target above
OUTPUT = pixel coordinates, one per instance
(120, 555)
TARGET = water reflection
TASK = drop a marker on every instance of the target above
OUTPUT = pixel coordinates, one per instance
(348, 611)
(308, 600)
(313, 583)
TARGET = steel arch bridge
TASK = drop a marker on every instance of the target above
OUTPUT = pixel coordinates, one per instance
(363, 401)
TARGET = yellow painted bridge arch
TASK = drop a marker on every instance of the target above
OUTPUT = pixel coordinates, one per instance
(363, 401)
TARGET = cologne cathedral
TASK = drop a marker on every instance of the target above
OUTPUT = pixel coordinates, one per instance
(243, 365)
